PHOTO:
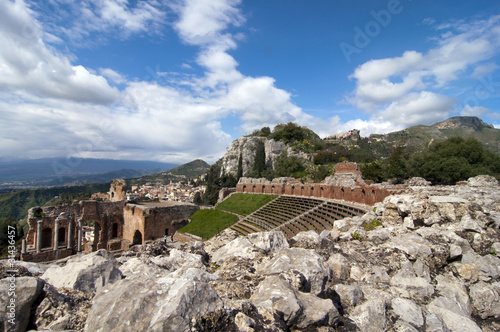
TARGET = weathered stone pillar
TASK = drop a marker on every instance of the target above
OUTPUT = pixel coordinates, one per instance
(23, 246)
(56, 233)
(70, 233)
(79, 248)
(39, 236)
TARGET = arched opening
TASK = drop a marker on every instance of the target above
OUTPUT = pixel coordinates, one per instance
(46, 238)
(244, 188)
(263, 189)
(114, 231)
(137, 238)
(61, 237)
(302, 191)
(321, 192)
(253, 188)
(273, 189)
(293, 190)
(166, 231)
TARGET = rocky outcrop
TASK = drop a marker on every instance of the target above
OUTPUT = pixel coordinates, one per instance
(424, 260)
(87, 273)
(246, 147)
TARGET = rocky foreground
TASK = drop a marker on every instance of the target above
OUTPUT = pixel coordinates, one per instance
(425, 260)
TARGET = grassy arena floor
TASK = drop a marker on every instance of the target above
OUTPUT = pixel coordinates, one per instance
(207, 223)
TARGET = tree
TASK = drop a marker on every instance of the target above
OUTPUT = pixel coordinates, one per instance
(289, 133)
(259, 165)
(239, 172)
(454, 159)
(287, 165)
(397, 165)
(197, 198)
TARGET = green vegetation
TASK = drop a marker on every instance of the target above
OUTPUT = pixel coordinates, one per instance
(244, 204)
(454, 159)
(207, 223)
(215, 182)
(368, 226)
(356, 236)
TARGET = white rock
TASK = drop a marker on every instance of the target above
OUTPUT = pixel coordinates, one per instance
(86, 273)
(408, 311)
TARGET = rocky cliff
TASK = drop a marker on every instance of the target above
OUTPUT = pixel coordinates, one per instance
(246, 146)
(425, 260)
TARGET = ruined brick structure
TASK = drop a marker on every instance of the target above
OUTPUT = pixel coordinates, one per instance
(149, 221)
(347, 184)
(118, 189)
(56, 232)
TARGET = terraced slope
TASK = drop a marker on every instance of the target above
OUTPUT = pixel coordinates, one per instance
(292, 214)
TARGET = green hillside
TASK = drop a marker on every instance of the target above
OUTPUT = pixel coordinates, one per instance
(191, 170)
(417, 138)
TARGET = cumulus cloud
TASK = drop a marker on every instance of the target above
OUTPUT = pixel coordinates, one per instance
(412, 89)
(474, 110)
(74, 111)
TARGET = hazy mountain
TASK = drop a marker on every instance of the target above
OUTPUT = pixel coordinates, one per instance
(186, 171)
(60, 171)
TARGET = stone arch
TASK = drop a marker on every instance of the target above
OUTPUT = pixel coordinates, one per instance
(114, 230)
(137, 237)
(46, 238)
(244, 188)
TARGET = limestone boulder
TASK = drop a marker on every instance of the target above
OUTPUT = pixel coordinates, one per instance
(350, 295)
(313, 240)
(268, 242)
(486, 299)
(304, 268)
(408, 311)
(298, 309)
(177, 259)
(455, 318)
(86, 273)
(17, 296)
(370, 316)
(65, 310)
(163, 304)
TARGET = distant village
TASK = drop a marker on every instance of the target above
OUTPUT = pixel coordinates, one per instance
(183, 191)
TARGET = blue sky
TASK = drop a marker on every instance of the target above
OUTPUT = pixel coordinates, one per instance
(175, 80)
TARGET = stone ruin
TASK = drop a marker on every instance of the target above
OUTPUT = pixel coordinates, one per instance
(57, 232)
(347, 184)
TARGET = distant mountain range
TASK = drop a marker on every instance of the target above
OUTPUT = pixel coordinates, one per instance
(73, 171)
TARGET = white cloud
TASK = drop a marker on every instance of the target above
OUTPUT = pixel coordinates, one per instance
(112, 75)
(474, 110)
(411, 89)
(484, 69)
(121, 17)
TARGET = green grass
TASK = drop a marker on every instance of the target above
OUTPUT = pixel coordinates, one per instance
(244, 204)
(368, 226)
(207, 223)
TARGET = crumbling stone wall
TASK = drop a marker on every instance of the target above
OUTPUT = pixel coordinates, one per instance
(118, 189)
(155, 220)
(347, 184)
